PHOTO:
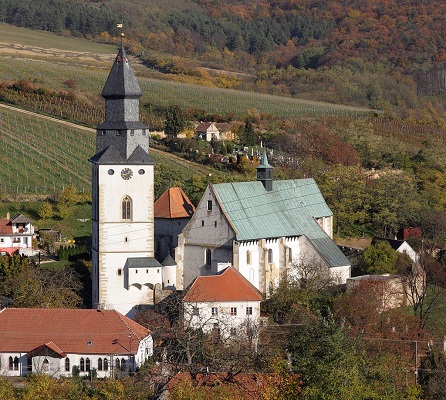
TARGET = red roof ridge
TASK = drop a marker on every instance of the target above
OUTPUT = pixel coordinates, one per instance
(228, 285)
(173, 203)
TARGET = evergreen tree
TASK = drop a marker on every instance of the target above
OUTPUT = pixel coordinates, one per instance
(248, 137)
(175, 121)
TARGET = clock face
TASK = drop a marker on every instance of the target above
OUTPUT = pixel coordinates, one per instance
(126, 174)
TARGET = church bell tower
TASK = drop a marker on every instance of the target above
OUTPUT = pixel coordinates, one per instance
(124, 270)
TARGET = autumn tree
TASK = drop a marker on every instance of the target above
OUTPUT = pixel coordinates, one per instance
(30, 286)
(432, 374)
(45, 210)
(332, 365)
(424, 285)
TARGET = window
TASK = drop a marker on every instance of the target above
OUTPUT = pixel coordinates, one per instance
(209, 205)
(290, 255)
(202, 223)
(270, 256)
(136, 271)
(195, 311)
(215, 223)
(214, 311)
(16, 363)
(123, 364)
(119, 271)
(233, 331)
(82, 365)
(248, 310)
(87, 364)
(67, 364)
(2, 240)
(105, 364)
(117, 364)
(208, 257)
(126, 208)
(99, 364)
(233, 311)
(11, 363)
(45, 365)
(30, 364)
(248, 257)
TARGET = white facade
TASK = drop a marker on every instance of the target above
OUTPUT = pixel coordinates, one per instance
(406, 248)
(229, 319)
(16, 234)
(21, 364)
(116, 239)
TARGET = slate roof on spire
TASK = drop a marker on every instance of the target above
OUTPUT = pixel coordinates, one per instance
(121, 81)
(264, 163)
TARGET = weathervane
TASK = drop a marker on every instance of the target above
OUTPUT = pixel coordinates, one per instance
(119, 26)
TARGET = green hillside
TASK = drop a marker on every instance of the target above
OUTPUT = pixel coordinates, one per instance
(41, 155)
(45, 63)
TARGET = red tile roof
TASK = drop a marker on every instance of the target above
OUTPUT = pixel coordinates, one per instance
(173, 203)
(69, 330)
(229, 285)
(5, 227)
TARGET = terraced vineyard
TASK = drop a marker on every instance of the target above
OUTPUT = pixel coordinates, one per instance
(39, 155)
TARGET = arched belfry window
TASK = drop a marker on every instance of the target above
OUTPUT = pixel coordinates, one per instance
(126, 208)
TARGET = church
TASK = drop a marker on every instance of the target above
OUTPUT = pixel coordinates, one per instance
(261, 228)
(125, 273)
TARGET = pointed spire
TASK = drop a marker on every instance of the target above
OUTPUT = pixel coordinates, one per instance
(121, 81)
(265, 173)
(264, 162)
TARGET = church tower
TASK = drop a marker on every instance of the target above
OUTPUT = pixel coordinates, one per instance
(124, 270)
(265, 173)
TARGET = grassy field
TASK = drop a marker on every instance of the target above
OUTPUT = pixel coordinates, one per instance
(28, 37)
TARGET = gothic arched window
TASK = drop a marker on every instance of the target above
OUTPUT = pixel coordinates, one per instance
(208, 257)
(67, 364)
(270, 256)
(248, 257)
(126, 208)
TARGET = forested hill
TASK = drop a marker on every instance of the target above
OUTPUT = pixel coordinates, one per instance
(383, 54)
(407, 35)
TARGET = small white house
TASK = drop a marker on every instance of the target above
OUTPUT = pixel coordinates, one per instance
(401, 246)
(16, 234)
(207, 131)
(59, 341)
(226, 303)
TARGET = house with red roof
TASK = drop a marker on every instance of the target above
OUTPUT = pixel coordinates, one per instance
(173, 210)
(226, 303)
(16, 234)
(60, 341)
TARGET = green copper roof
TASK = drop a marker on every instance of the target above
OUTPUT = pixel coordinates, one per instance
(288, 210)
